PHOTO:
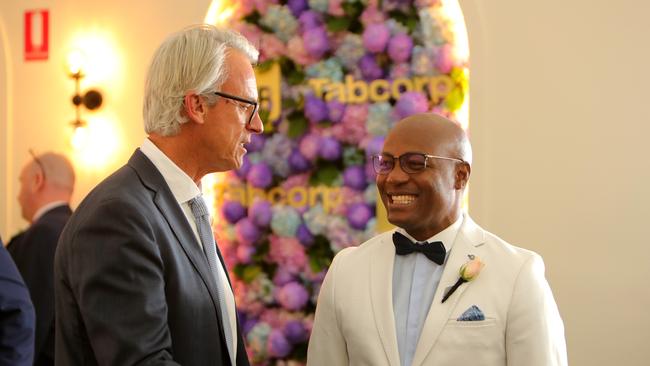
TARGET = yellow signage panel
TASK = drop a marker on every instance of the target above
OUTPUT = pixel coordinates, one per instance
(270, 97)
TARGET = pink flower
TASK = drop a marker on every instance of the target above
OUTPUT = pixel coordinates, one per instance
(471, 269)
(352, 128)
(335, 8)
(372, 15)
(296, 51)
(445, 60)
(272, 47)
(287, 252)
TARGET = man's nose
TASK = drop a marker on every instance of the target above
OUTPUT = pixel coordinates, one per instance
(256, 125)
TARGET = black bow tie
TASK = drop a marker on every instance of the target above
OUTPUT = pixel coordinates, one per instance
(434, 251)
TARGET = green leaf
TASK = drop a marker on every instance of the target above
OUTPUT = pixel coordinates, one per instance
(320, 254)
(250, 273)
(338, 24)
(326, 173)
(265, 66)
(298, 125)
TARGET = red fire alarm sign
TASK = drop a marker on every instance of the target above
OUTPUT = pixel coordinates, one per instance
(36, 35)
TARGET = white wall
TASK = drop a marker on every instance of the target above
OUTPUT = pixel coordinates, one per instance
(558, 122)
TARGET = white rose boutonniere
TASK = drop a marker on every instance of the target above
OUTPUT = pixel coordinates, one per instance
(468, 272)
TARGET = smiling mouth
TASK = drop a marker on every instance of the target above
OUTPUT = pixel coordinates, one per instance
(401, 199)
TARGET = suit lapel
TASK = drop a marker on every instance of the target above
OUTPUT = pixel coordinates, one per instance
(381, 296)
(469, 236)
(169, 208)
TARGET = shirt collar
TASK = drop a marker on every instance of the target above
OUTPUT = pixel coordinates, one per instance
(182, 186)
(446, 236)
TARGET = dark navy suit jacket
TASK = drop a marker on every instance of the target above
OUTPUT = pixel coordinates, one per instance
(33, 252)
(16, 316)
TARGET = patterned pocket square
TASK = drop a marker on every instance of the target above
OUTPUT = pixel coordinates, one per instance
(472, 314)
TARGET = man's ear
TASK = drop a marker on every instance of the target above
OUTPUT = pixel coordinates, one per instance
(38, 181)
(194, 107)
(463, 171)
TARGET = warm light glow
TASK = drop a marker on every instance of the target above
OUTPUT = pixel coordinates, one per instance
(96, 144)
(76, 62)
(220, 12)
(103, 66)
(209, 185)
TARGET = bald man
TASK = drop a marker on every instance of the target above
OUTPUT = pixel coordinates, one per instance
(46, 185)
(400, 298)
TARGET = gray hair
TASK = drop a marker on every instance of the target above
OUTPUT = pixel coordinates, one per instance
(57, 169)
(190, 60)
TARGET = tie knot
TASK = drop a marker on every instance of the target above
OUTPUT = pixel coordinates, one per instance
(198, 207)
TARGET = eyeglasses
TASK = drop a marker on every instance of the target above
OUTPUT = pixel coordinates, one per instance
(249, 103)
(411, 162)
(38, 161)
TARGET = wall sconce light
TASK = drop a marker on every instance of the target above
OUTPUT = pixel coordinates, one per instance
(91, 99)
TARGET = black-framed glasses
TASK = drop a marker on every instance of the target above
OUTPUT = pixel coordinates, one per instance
(38, 162)
(411, 162)
(249, 103)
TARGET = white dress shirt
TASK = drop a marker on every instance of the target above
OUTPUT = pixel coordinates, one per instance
(415, 280)
(184, 189)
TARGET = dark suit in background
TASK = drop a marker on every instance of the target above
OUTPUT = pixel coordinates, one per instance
(33, 252)
(16, 315)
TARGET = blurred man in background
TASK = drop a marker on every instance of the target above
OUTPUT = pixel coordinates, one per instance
(46, 185)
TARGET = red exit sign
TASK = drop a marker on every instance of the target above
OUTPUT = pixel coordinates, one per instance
(37, 40)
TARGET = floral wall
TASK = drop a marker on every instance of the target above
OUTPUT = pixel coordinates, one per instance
(334, 76)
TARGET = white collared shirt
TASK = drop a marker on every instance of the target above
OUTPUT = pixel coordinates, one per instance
(415, 280)
(184, 189)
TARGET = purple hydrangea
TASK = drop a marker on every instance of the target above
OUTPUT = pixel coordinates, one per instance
(369, 67)
(336, 110)
(330, 149)
(354, 177)
(282, 277)
(374, 146)
(278, 345)
(247, 323)
(310, 19)
(292, 296)
(246, 231)
(315, 109)
(295, 331)
(244, 168)
(411, 103)
(260, 175)
(257, 143)
(298, 162)
(297, 6)
(260, 213)
(233, 211)
(316, 42)
(358, 215)
(304, 235)
(399, 47)
(375, 37)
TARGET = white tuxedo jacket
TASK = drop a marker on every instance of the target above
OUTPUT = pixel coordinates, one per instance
(355, 323)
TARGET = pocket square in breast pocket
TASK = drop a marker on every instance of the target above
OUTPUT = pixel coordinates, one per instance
(473, 313)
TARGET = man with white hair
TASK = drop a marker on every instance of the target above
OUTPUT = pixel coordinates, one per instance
(46, 185)
(138, 276)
